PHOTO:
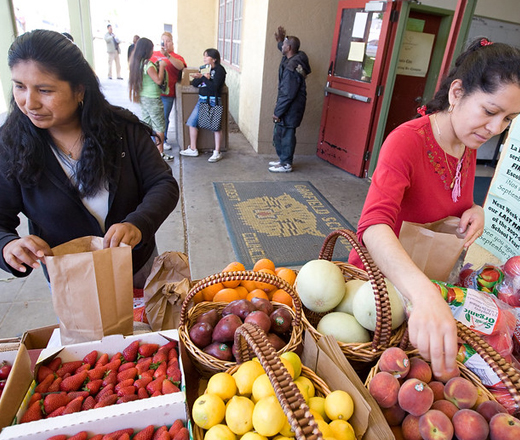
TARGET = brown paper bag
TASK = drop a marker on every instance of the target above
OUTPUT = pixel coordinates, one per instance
(92, 289)
(165, 289)
(433, 247)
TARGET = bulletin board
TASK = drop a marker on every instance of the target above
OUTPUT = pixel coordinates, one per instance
(495, 30)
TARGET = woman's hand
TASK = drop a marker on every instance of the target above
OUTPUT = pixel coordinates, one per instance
(119, 233)
(29, 250)
(472, 224)
(207, 75)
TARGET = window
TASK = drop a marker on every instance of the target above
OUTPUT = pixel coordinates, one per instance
(230, 30)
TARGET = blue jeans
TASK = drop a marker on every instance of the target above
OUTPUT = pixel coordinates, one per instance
(284, 141)
(168, 105)
(193, 119)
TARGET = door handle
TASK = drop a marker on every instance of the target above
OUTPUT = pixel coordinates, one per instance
(346, 94)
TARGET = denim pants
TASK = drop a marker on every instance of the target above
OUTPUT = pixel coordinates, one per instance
(284, 141)
(168, 105)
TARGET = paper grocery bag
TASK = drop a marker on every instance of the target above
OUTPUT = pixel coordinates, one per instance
(433, 247)
(165, 290)
(92, 289)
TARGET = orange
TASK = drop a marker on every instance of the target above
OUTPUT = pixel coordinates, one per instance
(256, 293)
(242, 291)
(209, 292)
(199, 297)
(232, 267)
(226, 295)
(286, 274)
(264, 263)
(249, 285)
(266, 287)
(283, 297)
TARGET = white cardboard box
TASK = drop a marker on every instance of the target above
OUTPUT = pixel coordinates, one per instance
(160, 410)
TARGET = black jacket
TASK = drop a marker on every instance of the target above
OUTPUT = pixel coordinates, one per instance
(212, 86)
(292, 90)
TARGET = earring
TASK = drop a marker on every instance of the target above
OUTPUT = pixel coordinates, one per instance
(450, 108)
(80, 104)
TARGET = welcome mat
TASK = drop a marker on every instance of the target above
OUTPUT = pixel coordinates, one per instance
(286, 222)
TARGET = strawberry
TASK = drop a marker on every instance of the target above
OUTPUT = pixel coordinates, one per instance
(43, 372)
(125, 391)
(74, 394)
(59, 437)
(140, 383)
(125, 436)
(96, 373)
(110, 378)
(147, 373)
(130, 352)
(120, 432)
(106, 391)
(174, 362)
(55, 364)
(159, 431)
(118, 355)
(113, 365)
(33, 413)
(107, 401)
(174, 374)
(85, 367)
(159, 357)
(124, 383)
(131, 373)
(88, 403)
(96, 437)
(103, 360)
(148, 349)
(169, 345)
(91, 358)
(57, 412)
(156, 393)
(83, 435)
(155, 385)
(145, 434)
(176, 427)
(142, 393)
(34, 398)
(69, 367)
(74, 405)
(93, 386)
(161, 370)
(143, 366)
(43, 387)
(73, 383)
(126, 366)
(54, 401)
(183, 434)
(55, 385)
(127, 398)
(168, 387)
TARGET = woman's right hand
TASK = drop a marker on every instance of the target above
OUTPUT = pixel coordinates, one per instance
(29, 250)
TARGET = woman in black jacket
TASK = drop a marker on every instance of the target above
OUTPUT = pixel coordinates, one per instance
(73, 164)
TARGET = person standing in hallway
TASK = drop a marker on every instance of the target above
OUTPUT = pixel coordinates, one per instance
(113, 51)
(174, 65)
(132, 47)
(291, 100)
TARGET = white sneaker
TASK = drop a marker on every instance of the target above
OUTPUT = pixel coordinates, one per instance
(189, 152)
(215, 157)
(166, 157)
(167, 146)
(274, 163)
(287, 168)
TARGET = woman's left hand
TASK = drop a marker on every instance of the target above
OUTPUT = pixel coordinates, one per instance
(472, 224)
(119, 233)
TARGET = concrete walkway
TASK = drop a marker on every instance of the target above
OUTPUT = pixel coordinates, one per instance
(196, 226)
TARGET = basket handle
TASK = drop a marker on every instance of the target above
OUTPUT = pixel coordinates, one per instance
(243, 275)
(250, 337)
(383, 330)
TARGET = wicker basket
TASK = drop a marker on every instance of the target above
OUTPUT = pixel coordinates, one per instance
(383, 336)
(206, 364)
(251, 341)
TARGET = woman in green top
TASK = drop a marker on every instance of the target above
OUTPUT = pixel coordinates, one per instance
(144, 83)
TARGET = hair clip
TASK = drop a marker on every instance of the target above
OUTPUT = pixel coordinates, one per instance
(485, 42)
(422, 110)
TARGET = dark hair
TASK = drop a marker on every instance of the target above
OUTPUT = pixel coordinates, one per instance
(70, 37)
(484, 66)
(23, 144)
(108, 25)
(294, 42)
(141, 54)
(213, 53)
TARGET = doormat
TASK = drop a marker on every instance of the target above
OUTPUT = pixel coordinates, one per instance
(286, 222)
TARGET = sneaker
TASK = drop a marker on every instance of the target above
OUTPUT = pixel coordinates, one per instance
(287, 168)
(189, 152)
(215, 157)
(274, 163)
(166, 157)
(167, 146)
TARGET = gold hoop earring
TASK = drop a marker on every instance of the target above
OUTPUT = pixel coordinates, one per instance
(450, 108)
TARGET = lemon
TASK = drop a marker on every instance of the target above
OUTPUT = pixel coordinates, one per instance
(246, 375)
(239, 414)
(339, 405)
(304, 390)
(318, 404)
(316, 414)
(288, 365)
(268, 416)
(219, 432)
(262, 388)
(252, 436)
(287, 431)
(342, 430)
(223, 385)
(306, 381)
(208, 410)
(295, 361)
(323, 426)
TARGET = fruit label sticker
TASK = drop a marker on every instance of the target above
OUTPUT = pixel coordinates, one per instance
(478, 312)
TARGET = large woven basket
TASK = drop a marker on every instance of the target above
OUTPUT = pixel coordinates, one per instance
(251, 341)
(208, 365)
(383, 336)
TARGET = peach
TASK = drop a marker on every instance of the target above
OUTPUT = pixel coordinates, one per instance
(446, 375)
(419, 369)
(470, 425)
(504, 426)
(446, 407)
(482, 397)
(398, 432)
(384, 388)
(461, 392)
(410, 428)
(415, 397)
(438, 389)
(489, 408)
(394, 415)
(435, 425)
(395, 361)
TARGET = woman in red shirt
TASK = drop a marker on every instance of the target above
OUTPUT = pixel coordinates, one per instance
(426, 171)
